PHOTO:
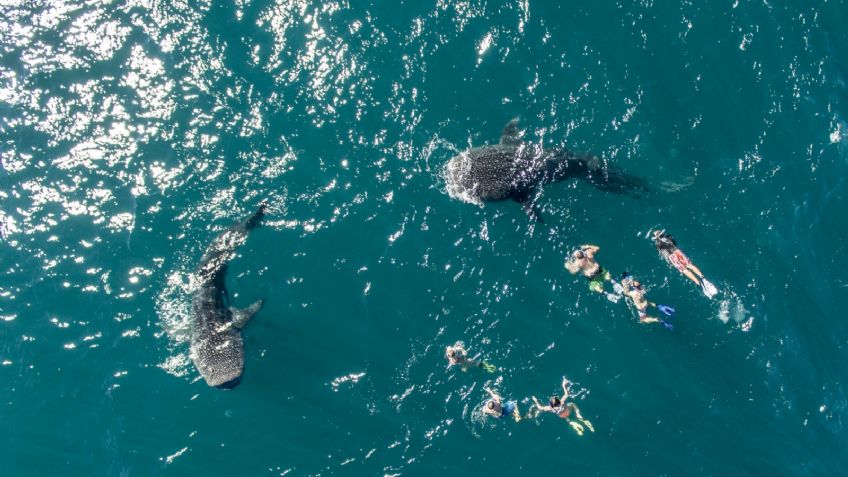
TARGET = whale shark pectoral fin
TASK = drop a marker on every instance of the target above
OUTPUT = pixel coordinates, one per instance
(242, 315)
(530, 209)
(511, 135)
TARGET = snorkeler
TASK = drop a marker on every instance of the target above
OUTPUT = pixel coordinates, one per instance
(457, 355)
(499, 409)
(564, 410)
(583, 260)
(632, 289)
(667, 247)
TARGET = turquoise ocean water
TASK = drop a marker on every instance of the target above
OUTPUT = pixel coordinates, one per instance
(132, 132)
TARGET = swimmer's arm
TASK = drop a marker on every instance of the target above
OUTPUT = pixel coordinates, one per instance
(590, 248)
(539, 405)
(493, 394)
(565, 384)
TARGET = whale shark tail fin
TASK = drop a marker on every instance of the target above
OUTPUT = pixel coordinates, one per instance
(213, 264)
(612, 179)
(256, 217)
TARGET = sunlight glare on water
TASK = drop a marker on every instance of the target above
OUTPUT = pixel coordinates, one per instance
(132, 133)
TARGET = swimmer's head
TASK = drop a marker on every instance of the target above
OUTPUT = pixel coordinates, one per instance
(579, 254)
(663, 240)
(490, 404)
(554, 401)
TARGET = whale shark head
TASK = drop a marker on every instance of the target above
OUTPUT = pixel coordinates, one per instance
(220, 359)
(230, 384)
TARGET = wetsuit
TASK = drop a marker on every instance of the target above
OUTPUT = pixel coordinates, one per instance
(508, 408)
(596, 280)
(667, 247)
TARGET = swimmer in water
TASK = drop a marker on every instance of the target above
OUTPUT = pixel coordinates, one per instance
(457, 355)
(667, 247)
(563, 409)
(499, 409)
(632, 289)
(583, 261)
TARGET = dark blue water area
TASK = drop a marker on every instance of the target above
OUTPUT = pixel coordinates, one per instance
(133, 133)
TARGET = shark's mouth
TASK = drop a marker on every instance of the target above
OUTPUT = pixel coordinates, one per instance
(230, 384)
(456, 173)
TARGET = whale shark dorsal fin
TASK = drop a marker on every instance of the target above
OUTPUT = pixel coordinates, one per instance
(242, 315)
(511, 135)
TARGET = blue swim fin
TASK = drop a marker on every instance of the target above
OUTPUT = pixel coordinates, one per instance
(667, 325)
(666, 310)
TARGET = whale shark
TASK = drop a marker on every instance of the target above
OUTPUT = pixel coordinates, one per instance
(216, 344)
(516, 170)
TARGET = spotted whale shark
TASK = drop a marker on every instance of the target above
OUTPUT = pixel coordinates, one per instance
(516, 170)
(217, 347)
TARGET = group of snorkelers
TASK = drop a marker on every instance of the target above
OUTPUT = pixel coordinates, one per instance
(583, 261)
(498, 408)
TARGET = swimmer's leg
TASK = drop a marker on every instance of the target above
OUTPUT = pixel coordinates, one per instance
(695, 269)
(577, 427)
(576, 410)
(691, 276)
(581, 418)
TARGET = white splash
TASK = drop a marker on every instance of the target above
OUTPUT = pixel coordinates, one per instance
(453, 170)
(352, 378)
(484, 45)
(173, 456)
(733, 308)
(838, 134)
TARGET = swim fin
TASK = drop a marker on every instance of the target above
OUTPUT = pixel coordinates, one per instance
(708, 288)
(488, 367)
(578, 428)
(617, 287)
(666, 310)
(667, 325)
